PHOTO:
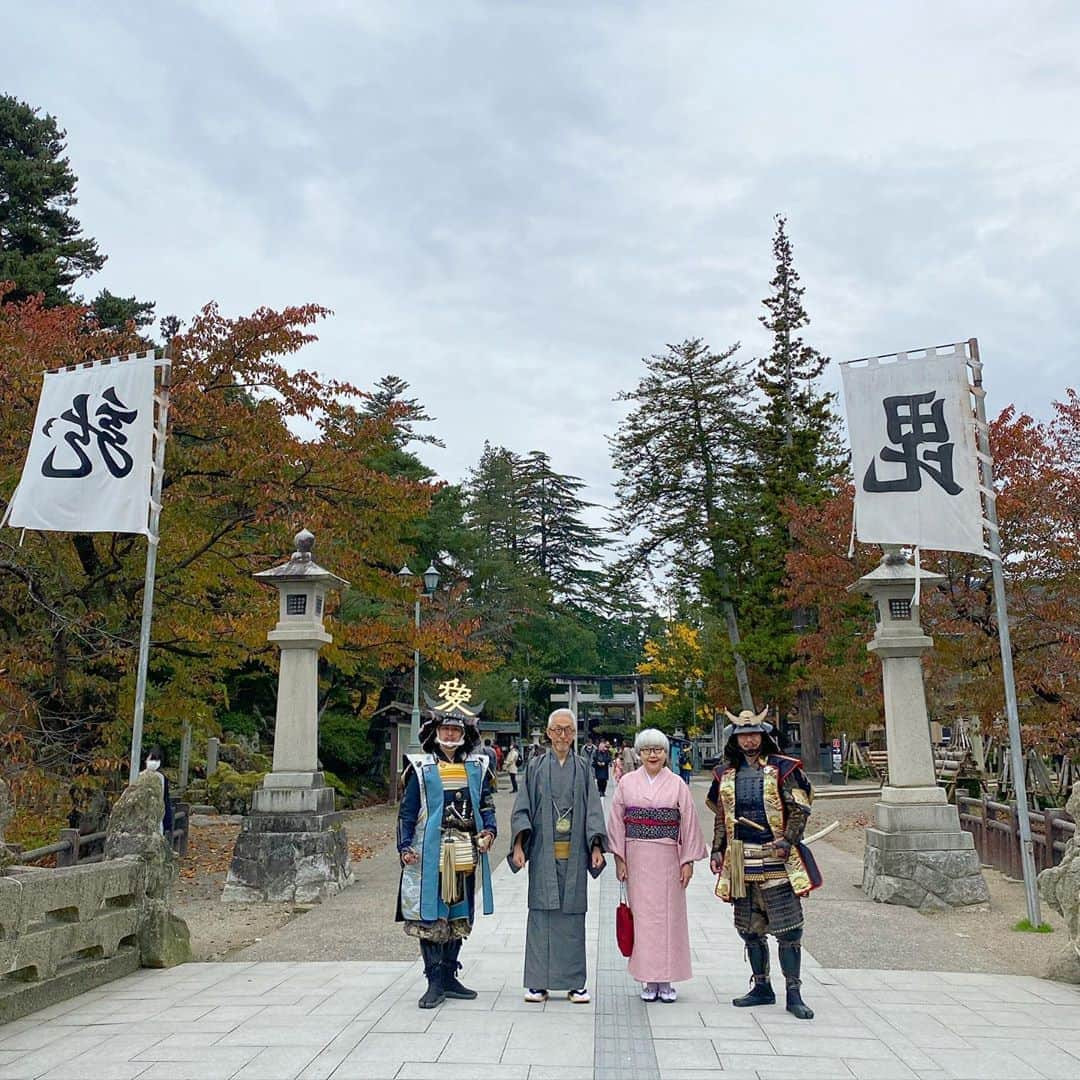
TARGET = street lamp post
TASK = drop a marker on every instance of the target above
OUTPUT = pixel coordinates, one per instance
(522, 688)
(430, 584)
(693, 685)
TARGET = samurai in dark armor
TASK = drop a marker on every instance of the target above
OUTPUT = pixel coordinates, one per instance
(761, 799)
(445, 827)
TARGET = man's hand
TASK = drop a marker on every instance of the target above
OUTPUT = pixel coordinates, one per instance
(620, 868)
(716, 863)
(598, 860)
(782, 849)
(483, 842)
(517, 856)
(408, 857)
(686, 872)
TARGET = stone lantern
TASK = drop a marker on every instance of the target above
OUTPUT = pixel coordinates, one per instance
(917, 854)
(291, 845)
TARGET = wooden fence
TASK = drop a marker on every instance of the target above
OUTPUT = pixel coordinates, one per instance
(75, 849)
(997, 834)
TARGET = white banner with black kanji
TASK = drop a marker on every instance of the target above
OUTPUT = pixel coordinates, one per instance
(913, 451)
(90, 460)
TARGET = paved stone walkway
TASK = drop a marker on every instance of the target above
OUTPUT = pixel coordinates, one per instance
(355, 1020)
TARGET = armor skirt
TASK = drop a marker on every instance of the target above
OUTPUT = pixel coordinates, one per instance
(772, 910)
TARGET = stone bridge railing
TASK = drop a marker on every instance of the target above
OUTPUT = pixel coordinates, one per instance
(66, 930)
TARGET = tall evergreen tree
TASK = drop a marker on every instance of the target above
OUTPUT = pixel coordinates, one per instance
(388, 400)
(557, 541)
(42, 248)
(795, 454)
(677, 451)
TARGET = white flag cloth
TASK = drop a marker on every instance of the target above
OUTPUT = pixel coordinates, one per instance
(913, 452)
(90, 460)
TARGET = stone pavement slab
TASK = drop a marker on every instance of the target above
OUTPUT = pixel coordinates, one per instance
(358, 1020)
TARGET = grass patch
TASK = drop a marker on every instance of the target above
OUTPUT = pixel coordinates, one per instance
(1025, 927)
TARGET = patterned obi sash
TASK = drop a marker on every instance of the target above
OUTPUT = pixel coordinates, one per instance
(652, 822)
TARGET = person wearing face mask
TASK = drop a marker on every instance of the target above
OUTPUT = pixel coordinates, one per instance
(445, 828)
(761, 799)
(154, 761)
(558, 828)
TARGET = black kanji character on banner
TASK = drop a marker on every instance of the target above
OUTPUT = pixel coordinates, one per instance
(112, 416)
(910, 424)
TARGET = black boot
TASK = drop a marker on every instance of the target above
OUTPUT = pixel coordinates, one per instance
(433, 969)
(451, 987)
(761, 991)
(791, 965)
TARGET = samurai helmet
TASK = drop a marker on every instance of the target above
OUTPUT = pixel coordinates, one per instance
(748, 722)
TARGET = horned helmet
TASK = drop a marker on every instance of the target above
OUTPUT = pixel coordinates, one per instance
(748, 722)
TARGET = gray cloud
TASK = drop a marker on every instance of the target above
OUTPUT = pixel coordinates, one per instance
(509, 205)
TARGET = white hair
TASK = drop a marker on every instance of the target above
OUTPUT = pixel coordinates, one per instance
(564, 711)
(652, 737)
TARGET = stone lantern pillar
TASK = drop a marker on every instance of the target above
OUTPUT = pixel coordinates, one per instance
(292, 846)
(917, 854)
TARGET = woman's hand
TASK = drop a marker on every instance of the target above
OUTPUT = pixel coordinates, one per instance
(408, 857)
(620, 868)
(716, 864)
(686, 872)
(483, 842)
(517, 856)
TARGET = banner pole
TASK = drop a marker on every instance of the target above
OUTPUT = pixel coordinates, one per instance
(1016, 750)
(151, 567)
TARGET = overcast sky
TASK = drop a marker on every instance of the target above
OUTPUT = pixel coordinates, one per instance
(510, 204)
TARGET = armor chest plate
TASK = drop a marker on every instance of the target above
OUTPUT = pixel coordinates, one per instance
(750, 804)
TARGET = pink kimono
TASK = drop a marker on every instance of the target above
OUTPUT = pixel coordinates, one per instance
(654, 828)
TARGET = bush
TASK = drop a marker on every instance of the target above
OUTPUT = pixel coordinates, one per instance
(344, 746)
(231, 791)
(239, 723)
(341, 789)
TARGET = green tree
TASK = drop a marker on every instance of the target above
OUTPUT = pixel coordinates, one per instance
(115, 312)
(42, 248)
(795, 457)
(677, 452)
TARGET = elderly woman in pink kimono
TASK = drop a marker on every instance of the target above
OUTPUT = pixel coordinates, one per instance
(654, 835)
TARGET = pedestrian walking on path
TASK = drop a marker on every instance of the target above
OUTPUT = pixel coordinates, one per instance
(654, 834)
(445, 826)
(510, 765)
(761, 800)
(558, 829)
(601, 764)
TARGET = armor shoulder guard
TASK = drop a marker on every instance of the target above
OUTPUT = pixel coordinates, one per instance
(785, 765)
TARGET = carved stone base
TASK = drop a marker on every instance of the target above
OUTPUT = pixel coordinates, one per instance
(931, 878)
(298, 857)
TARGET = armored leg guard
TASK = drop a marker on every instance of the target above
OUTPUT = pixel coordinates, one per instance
(433, 969)
(761, 991)
(451, 987)
(790, 947)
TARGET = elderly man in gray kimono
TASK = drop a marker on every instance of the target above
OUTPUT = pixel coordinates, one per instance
(558, 829)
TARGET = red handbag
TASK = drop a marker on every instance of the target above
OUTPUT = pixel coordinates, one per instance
(624, 926)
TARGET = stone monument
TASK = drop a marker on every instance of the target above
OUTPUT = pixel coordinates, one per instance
(1059, 886)
(917, 854)
(292, 846)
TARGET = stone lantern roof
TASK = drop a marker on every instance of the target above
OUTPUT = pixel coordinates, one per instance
(301, 567)
(893, 570)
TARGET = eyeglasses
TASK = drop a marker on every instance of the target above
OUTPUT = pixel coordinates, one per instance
(652, 750)
(561, 730)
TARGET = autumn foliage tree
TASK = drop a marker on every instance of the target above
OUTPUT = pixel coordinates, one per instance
(255, 452)
(1037, 476)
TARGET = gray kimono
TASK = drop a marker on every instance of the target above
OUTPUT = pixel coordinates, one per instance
(558, 887)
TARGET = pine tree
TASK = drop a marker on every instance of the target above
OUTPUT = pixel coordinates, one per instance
(41, 246)
(795, 454)
(388, 400)
(677, 451)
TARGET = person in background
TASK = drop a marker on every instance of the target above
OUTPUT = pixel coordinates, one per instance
(492, 757)
(154, 760)
(601, 763)
(510, 765)
(654, 834)
(558, 828)
(686, 764)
